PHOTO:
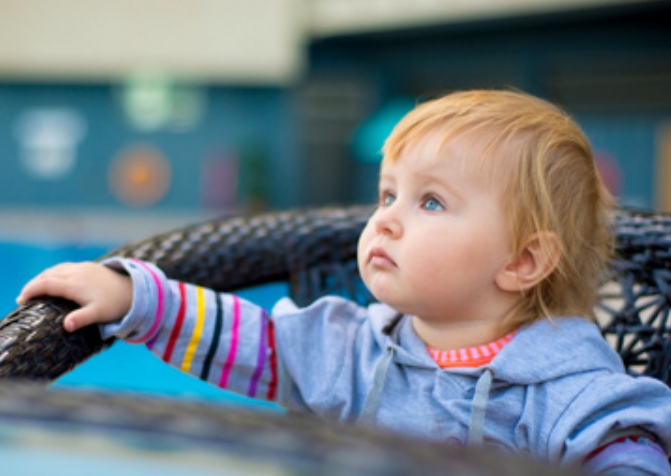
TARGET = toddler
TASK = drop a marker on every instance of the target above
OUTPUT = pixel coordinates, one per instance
(485, 252)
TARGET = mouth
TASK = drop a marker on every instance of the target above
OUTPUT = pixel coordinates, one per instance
(379, 258)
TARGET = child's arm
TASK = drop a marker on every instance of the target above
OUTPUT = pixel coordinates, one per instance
(217, 337)
(302, 359)
(103, 294)
(616, 425)
(627, 456)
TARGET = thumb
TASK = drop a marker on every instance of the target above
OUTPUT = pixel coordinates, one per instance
(79, 318)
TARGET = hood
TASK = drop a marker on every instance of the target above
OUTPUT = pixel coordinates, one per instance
(558, 347)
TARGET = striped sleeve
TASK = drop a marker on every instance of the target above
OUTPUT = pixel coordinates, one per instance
(217, 337)
(630, 456)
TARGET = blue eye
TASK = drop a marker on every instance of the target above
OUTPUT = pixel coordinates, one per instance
(387, 199)
(433, 205)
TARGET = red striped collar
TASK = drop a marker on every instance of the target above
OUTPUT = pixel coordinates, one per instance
(471, 356)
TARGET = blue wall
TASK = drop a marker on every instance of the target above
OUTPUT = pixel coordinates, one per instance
(236, 121)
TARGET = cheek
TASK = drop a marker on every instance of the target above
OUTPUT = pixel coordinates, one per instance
(456, 259)
(362, 246)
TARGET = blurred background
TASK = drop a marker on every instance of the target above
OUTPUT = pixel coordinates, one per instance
(120, 119)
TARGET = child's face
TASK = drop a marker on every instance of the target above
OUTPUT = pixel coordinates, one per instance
(439, 239)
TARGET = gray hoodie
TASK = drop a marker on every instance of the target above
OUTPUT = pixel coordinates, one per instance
(556, 391)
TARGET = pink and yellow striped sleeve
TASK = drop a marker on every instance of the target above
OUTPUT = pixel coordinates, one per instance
(217, 337)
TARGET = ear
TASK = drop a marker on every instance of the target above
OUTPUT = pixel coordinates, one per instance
(537, 259)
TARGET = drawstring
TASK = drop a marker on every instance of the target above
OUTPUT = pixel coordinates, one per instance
(372, 401)
(479, 407)
(373, 398)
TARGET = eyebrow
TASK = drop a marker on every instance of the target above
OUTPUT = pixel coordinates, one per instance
(431, 179)
(384, 176)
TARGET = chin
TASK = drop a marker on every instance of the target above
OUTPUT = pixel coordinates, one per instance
(397, 305)
(387, 295)
(381, 296)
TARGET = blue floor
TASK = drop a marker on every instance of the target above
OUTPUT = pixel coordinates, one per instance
(123, 367)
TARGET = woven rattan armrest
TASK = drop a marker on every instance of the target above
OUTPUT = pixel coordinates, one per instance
(223, 254)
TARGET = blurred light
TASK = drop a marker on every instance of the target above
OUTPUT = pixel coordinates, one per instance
(220, 173)
(140, 175)
(369, 137)
(609, 171)
(48, 140)
(152, 101)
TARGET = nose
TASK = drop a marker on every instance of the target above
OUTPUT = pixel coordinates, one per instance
(387, 222)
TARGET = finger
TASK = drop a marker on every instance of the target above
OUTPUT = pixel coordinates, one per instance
(30, 290)
(85, 316)
(47, 284)
(35, 286)
(78, 318)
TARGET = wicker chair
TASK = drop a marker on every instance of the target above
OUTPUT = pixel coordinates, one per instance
(314, 250)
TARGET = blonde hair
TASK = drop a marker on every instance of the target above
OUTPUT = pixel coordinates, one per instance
(550, 184)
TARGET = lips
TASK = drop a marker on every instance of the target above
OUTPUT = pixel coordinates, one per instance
(378, 257)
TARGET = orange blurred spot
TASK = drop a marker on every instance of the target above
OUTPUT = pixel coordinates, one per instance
(140, 175)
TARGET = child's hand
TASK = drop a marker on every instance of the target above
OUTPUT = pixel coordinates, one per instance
(103, 294)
